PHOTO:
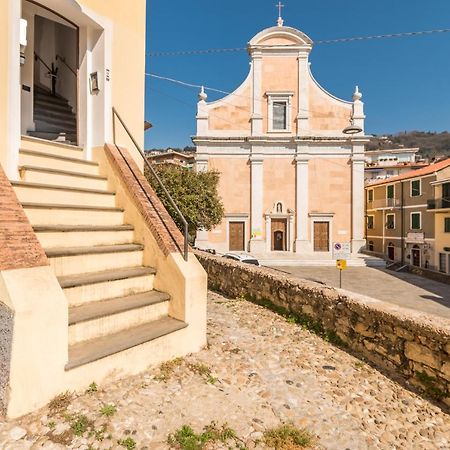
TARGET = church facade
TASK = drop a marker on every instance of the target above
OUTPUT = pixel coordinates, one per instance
(292, 175)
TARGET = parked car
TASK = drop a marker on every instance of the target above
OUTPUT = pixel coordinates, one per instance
(242, 257)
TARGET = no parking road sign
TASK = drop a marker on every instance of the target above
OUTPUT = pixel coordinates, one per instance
(342, 250)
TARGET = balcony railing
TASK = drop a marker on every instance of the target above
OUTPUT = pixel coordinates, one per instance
(439, 203)
(384, 203)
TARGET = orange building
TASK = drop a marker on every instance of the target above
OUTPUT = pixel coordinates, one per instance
(292, 180)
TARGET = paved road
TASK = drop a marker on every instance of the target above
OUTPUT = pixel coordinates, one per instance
(404, 289)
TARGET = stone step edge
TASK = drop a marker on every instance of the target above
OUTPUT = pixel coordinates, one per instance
(83, 279)
(80, 228)
(61, 172)
(53, 156)
(31, 205)
(89, 351)
(109, 307)
(56, 187)
(25, 137)
(60, 252)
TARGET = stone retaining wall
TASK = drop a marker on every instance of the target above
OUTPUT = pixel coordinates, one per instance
(412, 344)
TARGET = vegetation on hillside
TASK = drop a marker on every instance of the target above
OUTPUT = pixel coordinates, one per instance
(431, 144)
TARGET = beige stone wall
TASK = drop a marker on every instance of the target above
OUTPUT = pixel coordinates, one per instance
(330, 192)
(233, 113)
(326, 113)
(279, 183)
(280, 73)
(401, 341)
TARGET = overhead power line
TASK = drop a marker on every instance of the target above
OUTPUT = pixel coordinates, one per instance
(324, 41)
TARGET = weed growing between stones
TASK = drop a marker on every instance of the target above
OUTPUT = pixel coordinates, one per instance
(92, 388)
(80, 424)
(128, 443)
(108, 410)
(60, 403)
(429, 384)
(288, 437)
(167, 368)
(300, 319)
(186, 439)
(203, 370)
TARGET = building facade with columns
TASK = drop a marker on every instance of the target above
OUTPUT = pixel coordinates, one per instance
(292, 180)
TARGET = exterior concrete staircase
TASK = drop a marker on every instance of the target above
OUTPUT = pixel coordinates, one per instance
(53, 117)
(112, 303)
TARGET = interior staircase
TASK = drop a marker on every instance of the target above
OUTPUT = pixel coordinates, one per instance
(112, 303)
(53, 117)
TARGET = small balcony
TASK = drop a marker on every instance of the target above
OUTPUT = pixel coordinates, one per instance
(384, 203)
(438, 203)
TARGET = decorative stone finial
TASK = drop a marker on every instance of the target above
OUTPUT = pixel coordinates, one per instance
(357, 95)
(202, 96)
(280, 21)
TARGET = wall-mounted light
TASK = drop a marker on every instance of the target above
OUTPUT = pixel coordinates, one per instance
(23, 40)
(93, 83)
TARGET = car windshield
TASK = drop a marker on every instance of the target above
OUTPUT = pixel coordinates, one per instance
(251, 261)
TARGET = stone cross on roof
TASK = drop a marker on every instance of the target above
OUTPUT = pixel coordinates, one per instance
(280, 20)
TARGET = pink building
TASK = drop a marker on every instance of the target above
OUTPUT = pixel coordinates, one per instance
(291, 180)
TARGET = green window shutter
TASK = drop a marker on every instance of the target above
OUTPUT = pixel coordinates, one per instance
(415, 188)
(447, 225)
(390, 191)
(415, 221)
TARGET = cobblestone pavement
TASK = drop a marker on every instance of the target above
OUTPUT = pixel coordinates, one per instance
(264, 371)
(403, 289)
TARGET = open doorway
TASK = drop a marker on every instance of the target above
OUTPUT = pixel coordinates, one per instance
(50, 76)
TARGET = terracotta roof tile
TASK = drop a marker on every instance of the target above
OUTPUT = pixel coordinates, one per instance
(415, 173)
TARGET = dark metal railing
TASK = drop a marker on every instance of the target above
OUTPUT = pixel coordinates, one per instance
(63, 60)
(438, 203)
(38, 58)
(185, 250)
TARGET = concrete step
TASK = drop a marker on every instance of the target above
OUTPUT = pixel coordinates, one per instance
(44, 103)
(95, 349)
(66, 178)
(50, 147)
(52, 161)
(47, 97)
(91, 287)
(71, 236)
(52, 214)
(63, 195)
(52, 136)
(72, 260)
(50, 115)
(57, 126)
(96, 319)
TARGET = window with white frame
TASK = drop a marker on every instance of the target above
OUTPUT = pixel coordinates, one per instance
(416, 221)
(280, 111)
(370, 222)
(390, 221)
(415, 188)
(370, 195)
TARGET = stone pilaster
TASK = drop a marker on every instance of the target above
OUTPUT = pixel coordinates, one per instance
(358, 241)
(303, 95)
(257, 116)
(302, 243)
(257, 243)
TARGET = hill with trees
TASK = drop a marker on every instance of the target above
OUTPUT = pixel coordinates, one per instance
(431, 144)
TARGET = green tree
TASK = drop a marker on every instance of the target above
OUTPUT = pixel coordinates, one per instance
(194, 193)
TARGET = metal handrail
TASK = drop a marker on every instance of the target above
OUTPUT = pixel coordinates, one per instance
(63, 60)
(185, 252)
(42, 61)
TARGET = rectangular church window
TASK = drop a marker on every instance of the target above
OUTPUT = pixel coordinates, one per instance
(279, 115)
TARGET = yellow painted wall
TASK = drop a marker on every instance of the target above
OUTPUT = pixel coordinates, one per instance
(128, 68)
(330, 192)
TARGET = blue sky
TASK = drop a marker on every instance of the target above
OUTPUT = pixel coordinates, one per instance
(405, 82)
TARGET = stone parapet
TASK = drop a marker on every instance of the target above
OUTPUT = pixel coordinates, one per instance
(398, 340)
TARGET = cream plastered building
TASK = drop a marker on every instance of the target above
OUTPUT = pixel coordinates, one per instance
(292, 181)
(95, 281)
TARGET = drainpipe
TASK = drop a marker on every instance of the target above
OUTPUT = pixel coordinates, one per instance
(402, 227)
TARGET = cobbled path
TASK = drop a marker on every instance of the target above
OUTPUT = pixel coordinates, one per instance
(264, 371)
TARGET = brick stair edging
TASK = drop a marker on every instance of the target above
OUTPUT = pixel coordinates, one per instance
(161, 224)
(398, 340)
(20, 248)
